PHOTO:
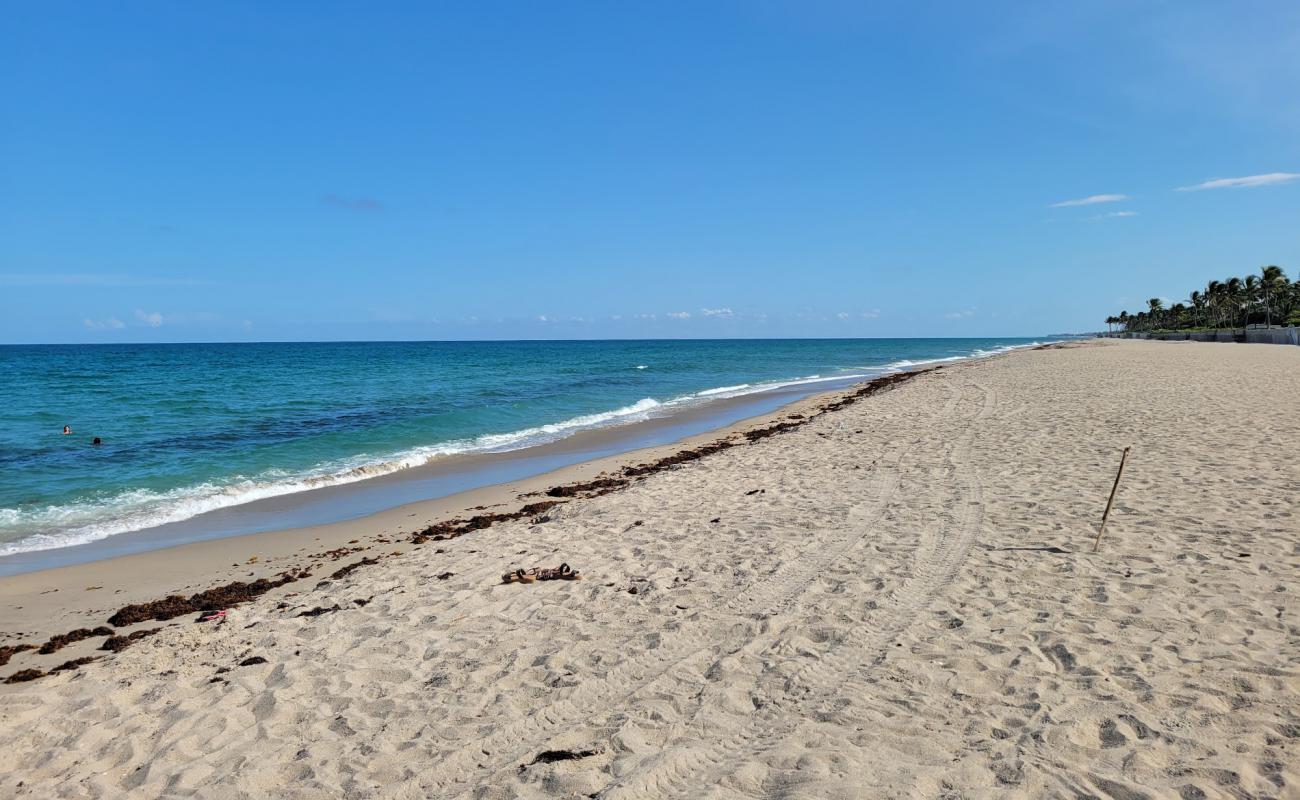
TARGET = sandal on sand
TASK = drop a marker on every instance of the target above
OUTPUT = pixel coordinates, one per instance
(211, 616)
(564, 572)
(520, 576)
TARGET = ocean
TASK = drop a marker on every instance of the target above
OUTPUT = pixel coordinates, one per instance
(187, 429)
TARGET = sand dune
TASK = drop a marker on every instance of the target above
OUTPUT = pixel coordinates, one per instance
(897, 599)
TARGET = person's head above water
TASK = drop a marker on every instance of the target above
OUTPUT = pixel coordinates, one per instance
(97, 441)
(67, 429)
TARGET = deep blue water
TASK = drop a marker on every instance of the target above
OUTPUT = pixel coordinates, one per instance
(188, 428)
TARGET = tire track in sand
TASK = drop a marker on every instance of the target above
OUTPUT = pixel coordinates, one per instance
(644, 671)
(683, 770)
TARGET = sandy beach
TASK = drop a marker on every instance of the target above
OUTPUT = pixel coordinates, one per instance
(894, 597)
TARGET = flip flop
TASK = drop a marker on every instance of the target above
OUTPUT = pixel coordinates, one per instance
(212, 616)
(564, 572)
(520, 576)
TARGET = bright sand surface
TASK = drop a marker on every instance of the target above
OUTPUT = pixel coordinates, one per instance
(897, 598)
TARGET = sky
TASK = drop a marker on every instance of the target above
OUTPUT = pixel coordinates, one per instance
(243, 171)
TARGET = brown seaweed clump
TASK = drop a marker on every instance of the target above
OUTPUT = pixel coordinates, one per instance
(232, 594)
(64, 639)
(116, 644)
(8, 651)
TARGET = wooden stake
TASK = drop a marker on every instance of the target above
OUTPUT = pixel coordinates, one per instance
(1106, 516)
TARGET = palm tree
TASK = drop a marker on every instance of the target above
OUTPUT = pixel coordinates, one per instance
(1250, 294)
(1197, 301)
(1155, 307)
(1215, 291)
(1228, 303)
(1233, 290)
(1272, 282)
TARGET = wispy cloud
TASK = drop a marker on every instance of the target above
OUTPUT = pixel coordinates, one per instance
(153, 319)
(93, 279)
(1091, 200)
(965, 314)
(1116, 215)
(724, 313)
(109, 324)
(1247, 182)
(679, 315)
(873, 313)
(352, 203)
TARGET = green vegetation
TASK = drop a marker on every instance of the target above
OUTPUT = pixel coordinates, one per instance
(1264, 299)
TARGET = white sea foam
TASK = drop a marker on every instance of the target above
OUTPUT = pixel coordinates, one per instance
(641, 366)
(722, 390)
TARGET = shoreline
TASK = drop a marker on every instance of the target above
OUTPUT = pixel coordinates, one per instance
(457, 473)
(89, 591)
(442, 477)
(366, 484)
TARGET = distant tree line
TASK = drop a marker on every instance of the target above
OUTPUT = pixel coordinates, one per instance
(1264, 299)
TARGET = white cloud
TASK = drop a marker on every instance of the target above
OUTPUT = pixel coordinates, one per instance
(679, 315)
(966, 314)
(871, 314)
(645, 316)
(153, 319)
(844, 315)
(543, 318)
(1115, 215)
(725, 313)
(1247, 182)
(1090, 201)
(110, 324)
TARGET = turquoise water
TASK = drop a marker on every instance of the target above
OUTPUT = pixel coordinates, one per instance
(190, 428)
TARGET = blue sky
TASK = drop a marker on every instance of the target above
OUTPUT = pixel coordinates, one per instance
(256, 171)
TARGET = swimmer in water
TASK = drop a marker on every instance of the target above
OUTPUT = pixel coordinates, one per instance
(97, 441)
(67, 429)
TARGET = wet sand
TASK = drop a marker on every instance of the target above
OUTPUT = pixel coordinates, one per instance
(893, 598)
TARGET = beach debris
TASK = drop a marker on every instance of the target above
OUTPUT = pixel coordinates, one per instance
(212, 615)
(8, 651)
(564, 572)
(1109, 501)
(317, 611)
(75, 663)
(361, 601)
(451, 529)
(64, 639)
(344, 571)
(551, 756)
(24, 675)
(231, 594)
(520, 575)
(755, 491)
(678, 458)
(716, 520)
(116, 644)
(248, 662)
(442, 576)
(592, 488)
